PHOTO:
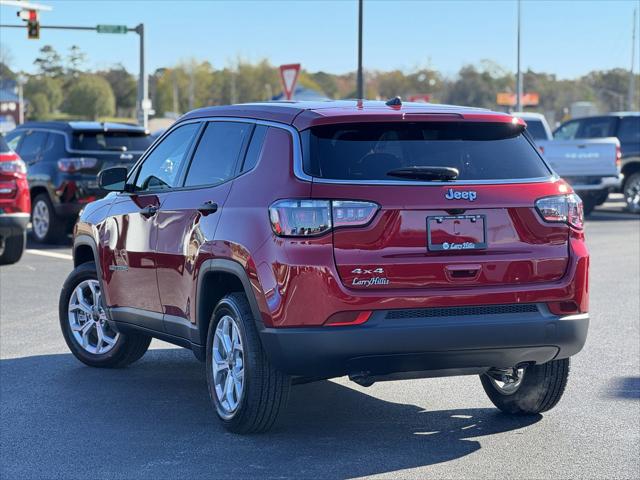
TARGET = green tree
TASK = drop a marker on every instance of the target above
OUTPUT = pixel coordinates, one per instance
(75, 61)
(39, 106)
(47, 86)
(123, 85)
(49, 62)
(90, 96)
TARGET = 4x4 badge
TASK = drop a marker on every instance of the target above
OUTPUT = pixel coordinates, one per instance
(452, 194)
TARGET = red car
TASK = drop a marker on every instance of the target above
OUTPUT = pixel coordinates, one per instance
(15, 205)
(292, 242)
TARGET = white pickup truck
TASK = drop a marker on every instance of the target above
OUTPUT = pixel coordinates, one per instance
(591, 166)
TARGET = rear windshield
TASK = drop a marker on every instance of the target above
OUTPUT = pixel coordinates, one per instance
(480, 151)
(111, 141)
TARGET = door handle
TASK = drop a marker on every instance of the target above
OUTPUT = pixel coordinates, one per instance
(208, 208)
(149, 211)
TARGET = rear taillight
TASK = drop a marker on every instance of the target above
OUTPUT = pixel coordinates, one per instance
(70, 165)
(562, 209)
(618, 157)
(305, 218)
(13, 167)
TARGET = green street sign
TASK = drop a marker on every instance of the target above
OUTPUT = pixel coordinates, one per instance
(112, 28)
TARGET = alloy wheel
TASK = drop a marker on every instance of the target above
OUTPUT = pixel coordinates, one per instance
(506, 380)
(632, 194)
(41, 219)
(228, 365)
(88, 319)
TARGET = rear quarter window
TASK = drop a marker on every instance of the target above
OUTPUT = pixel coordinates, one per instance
(111, 141)
(367, 152)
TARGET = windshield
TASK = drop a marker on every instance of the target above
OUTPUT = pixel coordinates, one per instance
(111, 141)
(478, 151)
(536, 129)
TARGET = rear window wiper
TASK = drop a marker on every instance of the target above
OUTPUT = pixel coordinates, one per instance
(425, 173)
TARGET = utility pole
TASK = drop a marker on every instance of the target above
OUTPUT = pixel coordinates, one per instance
(143, 100)
(632, 78)
(360, 78)
(519, 72)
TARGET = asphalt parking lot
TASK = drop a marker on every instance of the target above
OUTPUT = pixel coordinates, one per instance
(61, 419)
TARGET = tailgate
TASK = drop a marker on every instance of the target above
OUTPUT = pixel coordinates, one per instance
(418, 240)
(593, 157)
(476, 227)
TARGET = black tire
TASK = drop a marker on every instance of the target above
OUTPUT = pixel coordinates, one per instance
(58, 226)
(541, 389)
(588, 204)
(631, 192)
(127, 349)
(266, 390)
(12, 248)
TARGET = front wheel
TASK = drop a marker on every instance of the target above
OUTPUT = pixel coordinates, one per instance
(11, 248)
(85, 327)
(247, 392)
(527, 391)
(631, 193)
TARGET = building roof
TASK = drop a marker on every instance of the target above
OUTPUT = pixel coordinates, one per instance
(7, 95)
(304, 114)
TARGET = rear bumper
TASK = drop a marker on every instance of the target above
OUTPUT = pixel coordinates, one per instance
(13, 223)
(384, 346)
(604, 183)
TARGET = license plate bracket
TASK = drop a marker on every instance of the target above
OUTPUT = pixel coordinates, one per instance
(456, 232)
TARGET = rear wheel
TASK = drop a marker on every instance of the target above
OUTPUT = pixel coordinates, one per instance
(631, 193)
(85, 327)
(12, 247)
(46, 226)
(531, 390)
(588, 204)
(247, 392)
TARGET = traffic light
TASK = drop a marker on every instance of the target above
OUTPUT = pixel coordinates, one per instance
(33, 26)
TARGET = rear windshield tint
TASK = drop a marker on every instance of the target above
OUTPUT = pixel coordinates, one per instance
(480, 151)
(111, 141)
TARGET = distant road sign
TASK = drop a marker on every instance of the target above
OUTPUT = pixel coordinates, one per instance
(420, 98)
(112, 29)
(289, 77)
(530, 99)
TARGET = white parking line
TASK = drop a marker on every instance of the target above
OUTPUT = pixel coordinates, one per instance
(44, 253)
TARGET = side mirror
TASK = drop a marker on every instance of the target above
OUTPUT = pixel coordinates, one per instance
(113, 179)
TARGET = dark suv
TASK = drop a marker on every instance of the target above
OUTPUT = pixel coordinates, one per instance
(63, 160)
(301, 241)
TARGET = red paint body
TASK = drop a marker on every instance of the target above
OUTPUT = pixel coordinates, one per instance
(16, 199)
(302, 282)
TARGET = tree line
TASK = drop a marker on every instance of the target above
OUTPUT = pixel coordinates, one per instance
(62, 86)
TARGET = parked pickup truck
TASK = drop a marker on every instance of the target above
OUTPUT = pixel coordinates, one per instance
(591, 166)
(625, 126)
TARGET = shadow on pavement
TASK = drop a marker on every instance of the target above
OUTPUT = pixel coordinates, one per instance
(62, 419)
(626, 388)
(609, 216)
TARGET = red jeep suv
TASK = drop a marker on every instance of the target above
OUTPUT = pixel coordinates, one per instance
(15, 205)
(290, 242)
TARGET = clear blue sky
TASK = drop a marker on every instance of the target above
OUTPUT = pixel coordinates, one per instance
(568, 38)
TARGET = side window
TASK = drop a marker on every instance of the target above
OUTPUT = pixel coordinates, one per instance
(255, 148)
(217, 154)
(32, 146)
(567, 131)
(54, 149)
(161, 169)
(13, 139)
(597, 127)
(629, 131)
